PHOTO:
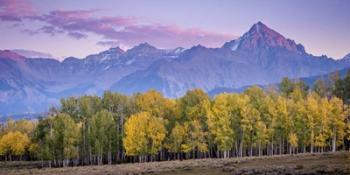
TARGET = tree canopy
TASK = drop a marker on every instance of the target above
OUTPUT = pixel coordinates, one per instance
(147, 126)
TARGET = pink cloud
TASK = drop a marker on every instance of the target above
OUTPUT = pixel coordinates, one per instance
(15, 10)
(78, 24)
(129, 31)
(82, 22)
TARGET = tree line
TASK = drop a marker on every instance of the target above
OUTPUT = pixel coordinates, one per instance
(115, 128)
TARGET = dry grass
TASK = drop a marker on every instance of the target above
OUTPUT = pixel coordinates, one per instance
(336, 163)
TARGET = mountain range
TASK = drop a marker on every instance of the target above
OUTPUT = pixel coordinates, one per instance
(260, 56)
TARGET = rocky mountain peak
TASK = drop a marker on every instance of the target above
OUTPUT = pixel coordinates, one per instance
(110, 54)
(260, 36)
(143, 47)
(115, 50)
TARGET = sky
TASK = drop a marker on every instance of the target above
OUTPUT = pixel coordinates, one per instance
(81, 27)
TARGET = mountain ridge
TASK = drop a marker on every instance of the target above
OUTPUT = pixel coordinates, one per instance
(260, 56)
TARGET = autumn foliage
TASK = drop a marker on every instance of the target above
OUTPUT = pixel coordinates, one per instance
(147, 126)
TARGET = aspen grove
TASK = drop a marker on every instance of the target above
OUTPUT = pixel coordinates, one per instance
(115, 128)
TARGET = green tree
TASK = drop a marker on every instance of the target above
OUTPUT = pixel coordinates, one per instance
(339, 89)
(320, 88)
(103, 135)
(43, 136)
(121, 106)
(178, 139)
(65, 135)
(194, 109)
(88, 106)
(70, 106)
(286, 86)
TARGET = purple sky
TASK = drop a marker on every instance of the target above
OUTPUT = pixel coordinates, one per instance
(81, 27)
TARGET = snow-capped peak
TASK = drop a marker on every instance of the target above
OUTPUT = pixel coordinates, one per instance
(346, 57)
(261, 36)
(110, 54)
(235, 44)
(144, 46)
(179, 50)
(115, 50)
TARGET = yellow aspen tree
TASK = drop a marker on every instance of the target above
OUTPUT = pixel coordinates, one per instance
(283, 122)
(312, 113)
(293, 141)
(220, 122)
(14, 143)
(336, 122)
(322, 124)
(177, 139)
(144, 134)
(268, 116)
(301, 128)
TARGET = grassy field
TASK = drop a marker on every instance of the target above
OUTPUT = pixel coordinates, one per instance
(327, 163)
